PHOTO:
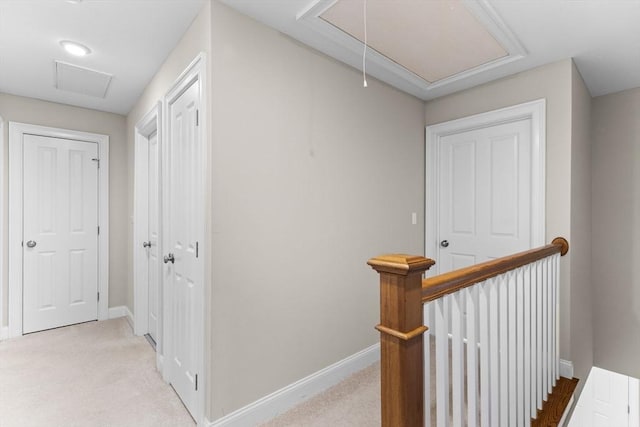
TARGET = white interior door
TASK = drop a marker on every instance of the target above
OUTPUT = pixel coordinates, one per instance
(185, 229)
(60, 232)
(484, 194)
(153, 264)
(605, 401)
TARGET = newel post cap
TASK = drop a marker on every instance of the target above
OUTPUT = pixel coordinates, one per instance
(401, 264)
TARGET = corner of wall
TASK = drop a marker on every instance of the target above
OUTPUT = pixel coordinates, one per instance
(581, 300)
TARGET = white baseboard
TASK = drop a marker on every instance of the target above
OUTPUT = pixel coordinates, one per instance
(276, 403)
(566, 368)
(4, 333)
(122, 311)
(634, 399)
(115, 312)
(159, 361)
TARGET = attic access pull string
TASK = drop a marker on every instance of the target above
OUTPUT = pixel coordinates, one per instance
(364, 51)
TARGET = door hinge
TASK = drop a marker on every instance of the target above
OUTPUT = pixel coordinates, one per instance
(98, 230)
(197, 249)
(97, 161)
(98, 296)
(197, 117)
(196, 382)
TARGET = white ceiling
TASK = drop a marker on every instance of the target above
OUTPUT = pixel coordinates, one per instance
(603, 37)
(129, 39)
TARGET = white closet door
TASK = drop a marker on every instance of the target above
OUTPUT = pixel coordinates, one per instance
(154, 232)
(484, 194)
(60, 232)
(185, 227)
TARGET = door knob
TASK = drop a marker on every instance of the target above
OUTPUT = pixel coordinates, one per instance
(146, 244)
(168, 258)
(31, 244)
(444, 243)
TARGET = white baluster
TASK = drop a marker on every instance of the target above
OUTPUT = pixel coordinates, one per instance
(502, 284)
(520, 354)
(529, 394)
(556, 284)
(512, 348)
(552, 319)
(442, 361)
(534, 340)
(513, 373)
(427, 364)
(471, 295)
(550, 326)
(538, 345)
(545, 331)
(485, 377)
(494, 351)
(457, 359)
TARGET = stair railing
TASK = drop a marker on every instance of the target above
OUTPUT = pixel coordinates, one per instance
(494, 341)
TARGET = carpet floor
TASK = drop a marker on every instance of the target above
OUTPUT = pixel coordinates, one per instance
(95, 374)
(354, 402)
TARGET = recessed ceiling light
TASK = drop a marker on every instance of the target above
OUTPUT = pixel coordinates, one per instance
(74, 48)
(74, 1)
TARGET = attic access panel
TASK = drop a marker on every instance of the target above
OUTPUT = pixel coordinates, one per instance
(73, 78)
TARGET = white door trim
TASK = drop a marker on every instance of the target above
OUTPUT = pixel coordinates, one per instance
(149, 124)
(535, 111)
(16, 134)
(196, 71)
(2, 240)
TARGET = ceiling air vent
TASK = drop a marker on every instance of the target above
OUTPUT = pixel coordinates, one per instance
(81, 80)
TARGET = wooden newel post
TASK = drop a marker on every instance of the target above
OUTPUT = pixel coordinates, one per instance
(401, 342)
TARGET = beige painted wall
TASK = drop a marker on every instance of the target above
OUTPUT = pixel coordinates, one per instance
(33, 111)
(616, 231)
(581, 285)
(554, 83)
(196, 39)
(312, 176)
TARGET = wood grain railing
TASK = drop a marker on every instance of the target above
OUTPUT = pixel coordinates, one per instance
(448, 283)
(402, 295)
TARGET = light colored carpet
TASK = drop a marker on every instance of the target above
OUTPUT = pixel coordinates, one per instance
(95, 374)
(354, 402)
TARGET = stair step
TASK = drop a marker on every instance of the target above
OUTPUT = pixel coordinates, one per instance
(553, 408)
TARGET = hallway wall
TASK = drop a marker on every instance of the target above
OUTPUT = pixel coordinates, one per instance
(581, 316)
(312, 176)
(34, 111)
(616, 231)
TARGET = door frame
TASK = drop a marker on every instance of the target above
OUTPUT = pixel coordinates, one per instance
(150, 123)
(534, 111)
(195, 71)
(16, 137)
(4, 330)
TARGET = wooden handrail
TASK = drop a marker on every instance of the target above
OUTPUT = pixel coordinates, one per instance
(448, 283)
(402, 294)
